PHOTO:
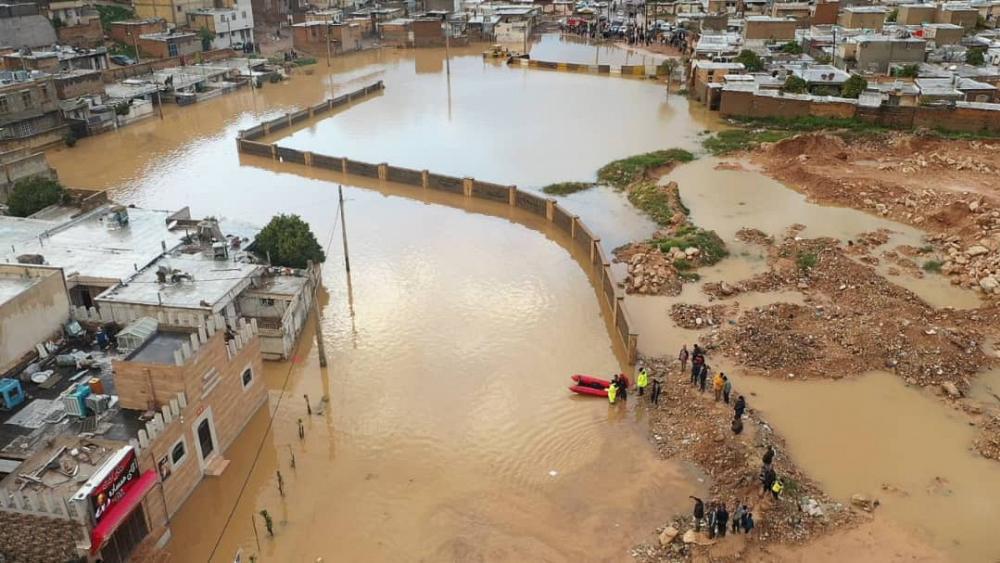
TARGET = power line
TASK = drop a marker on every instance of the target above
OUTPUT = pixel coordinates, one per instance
(270, 422)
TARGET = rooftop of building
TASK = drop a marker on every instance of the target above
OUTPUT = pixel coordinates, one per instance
(194, 281)
(866, 10)
(62, 52)
(91, 245)
(938, 87)
(769, 19)
(160, 347)
(713, 65)
(819, 73)
(11, 287)
(168, 35)
(277, 282)
(147, 21)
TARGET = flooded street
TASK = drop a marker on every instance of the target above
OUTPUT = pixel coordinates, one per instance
(449, 434)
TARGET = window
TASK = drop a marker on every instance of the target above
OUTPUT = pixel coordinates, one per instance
(178, 9)
(172, 49)
(267, 301)
(247, 377)
(4, 108)
(178, 453)
(244, 14)
(44, 90)
(26, 99)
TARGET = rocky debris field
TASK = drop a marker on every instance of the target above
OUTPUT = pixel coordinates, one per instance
(946, 187)
(988, 442)
(853, 321)
(662, 264)
(691, 426)
(700, 316)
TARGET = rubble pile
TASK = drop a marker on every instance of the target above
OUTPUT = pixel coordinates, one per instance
(754, 236)
(650, 272)
(691, 426)
(699, 316)
(988, 442)
(946, 187)
(853, 321)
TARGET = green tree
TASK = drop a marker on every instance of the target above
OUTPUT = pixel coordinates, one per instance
(853, 86)
(207, 36)
(750, 60)
(110, 14)
(907, 71)
(288, 241)
(892, 16)
(795, 85)
(31, 195)
(975, 57)
(792, 48)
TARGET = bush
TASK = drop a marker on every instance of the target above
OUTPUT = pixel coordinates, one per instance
(853, 87)
(806, 261)
(712, 248)
(288, 241)
(733, 140)
(621, 173)
(907, 71)
(933, 266)
(110, 14)
(792, 48)
(795, 85)
(975, 57)
(31, 195)
(892, 16)
(566, 188)
(750, 60)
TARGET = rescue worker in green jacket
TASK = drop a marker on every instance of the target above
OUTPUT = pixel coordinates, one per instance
(642, 380)
(612, 393)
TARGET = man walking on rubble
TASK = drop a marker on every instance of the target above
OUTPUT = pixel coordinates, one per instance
(683, 358)
(699, 513)
(702, 375)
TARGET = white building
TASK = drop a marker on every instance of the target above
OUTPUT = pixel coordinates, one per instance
(232, 27)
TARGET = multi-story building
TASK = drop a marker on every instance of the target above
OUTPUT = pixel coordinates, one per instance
(874, 53)
(57, 58)
(769, 28)
(916, 14)
(77, 23)
(231, 27)
(318, 37)
(173, 12)
(128, 31)
(958, 14)
(169, 44)
(863, 17)
(29, 112)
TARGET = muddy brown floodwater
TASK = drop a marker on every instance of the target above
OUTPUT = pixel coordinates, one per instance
(449, 433)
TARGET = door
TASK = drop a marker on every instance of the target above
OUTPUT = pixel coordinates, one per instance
(205, 441)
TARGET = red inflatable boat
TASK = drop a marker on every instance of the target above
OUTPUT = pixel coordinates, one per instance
(587, 385)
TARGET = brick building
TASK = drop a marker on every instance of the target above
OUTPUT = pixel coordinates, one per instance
(169, 44)
(863, 17)
(311, 37)
(769, 28)
(128, 31)
(916, 14)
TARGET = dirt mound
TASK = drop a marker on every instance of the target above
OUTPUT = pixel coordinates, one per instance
(699, 316)
(814, 144)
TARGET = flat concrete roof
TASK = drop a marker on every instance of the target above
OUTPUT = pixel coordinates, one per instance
(280, 285)
(86, 247)
(160, 348)
(215, 283)
(12, 287)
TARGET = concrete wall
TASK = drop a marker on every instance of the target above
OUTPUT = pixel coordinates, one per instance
(87, 35)
(121, 73)
(19, 164)
(27, 31)
(75, 86)
(770, 30)
(916, 14)
(962, 117)
(34, 315)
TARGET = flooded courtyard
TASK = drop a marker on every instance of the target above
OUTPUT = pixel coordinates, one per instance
(448, 432)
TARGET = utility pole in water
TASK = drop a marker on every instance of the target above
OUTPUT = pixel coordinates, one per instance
(343, 228)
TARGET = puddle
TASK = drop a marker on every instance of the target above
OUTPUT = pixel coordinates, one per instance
(728, 200)
(854, 435)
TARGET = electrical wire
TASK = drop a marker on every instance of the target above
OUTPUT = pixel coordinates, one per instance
(270, 421)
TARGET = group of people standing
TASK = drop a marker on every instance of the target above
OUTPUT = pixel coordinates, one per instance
(620, 385)
(718, 518)
(721, 384)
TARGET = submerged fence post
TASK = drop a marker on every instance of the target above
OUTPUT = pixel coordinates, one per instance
(512, 196)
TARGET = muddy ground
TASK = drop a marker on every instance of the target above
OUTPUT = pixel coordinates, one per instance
(853, 320)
